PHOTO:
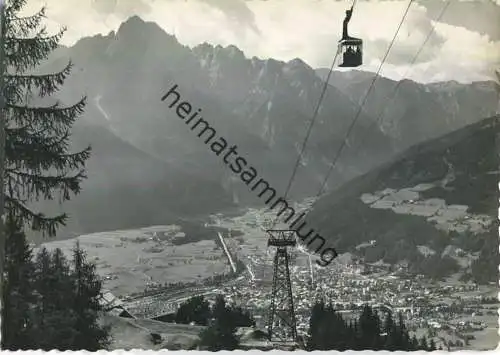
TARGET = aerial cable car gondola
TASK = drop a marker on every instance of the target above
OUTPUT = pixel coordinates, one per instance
(351, 48)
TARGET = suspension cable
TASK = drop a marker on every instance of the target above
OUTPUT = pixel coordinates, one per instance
(309, 130)
(311, 124)
(396, 87)
(349, 130)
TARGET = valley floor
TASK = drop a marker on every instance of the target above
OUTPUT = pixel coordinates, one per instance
(131, 261)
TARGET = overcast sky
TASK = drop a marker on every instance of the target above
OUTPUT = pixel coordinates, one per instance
(464, 47)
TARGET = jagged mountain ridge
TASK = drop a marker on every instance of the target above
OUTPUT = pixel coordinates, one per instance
(262, 106)
(462, 166)
(256, 103)
(417, 110)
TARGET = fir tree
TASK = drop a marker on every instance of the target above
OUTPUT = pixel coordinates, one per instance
(17, 296)
(432, 345)
(423, 344)
(329, 331)
(43, 287)
(316, 321)
(195, 309)
(370, 329)
(404, 341)
(355, 336)
(49, 317)
(219, 307)
(239, 317)
(87, 285)
(58, 328)
(38, 163)
(68, 305)
(221, 335)
(393, 333)
(414, 343)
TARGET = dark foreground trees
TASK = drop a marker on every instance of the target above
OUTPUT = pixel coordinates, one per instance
(38, 162)
(50, 302)
(221, 334)
(329, 331)
(222, 321)
(197, 310)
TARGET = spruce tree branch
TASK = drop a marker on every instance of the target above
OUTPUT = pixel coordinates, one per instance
(13, 7)
(22, 26)
(38, 221)
(27, 53)
(37, 138)
(48, 116)
(46, 84)
(32, 187)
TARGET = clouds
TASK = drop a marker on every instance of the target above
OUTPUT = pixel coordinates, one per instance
(417, 29)
(482, 17)
(237, 12)
(285, 29)
(124, 8)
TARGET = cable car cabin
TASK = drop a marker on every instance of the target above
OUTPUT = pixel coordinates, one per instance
(352, 52)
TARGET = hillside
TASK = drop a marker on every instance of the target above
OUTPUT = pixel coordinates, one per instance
(128, 188)
(434, 198)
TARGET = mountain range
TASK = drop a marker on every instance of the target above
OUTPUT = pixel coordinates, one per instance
(148, 168)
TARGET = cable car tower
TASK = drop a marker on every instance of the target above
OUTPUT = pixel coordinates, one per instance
(281, 324)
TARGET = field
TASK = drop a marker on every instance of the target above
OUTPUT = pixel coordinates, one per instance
(131, 260)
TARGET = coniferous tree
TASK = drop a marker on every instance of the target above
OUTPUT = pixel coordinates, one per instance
(316, 322)
(414, 343)
(55, 328)
(370, 329)
(52, 313)
(329, 331)
(432, 345)
(221, 334)
(423, 344)
(43, 289)
(17, 296)
(355, 337)
(392, 333)
(403, 339)
(63, 314)
(38, 163)
(196, 309)
(50, 317)
(219, 307)
(239, 317)
(87, 289)
(53, 320)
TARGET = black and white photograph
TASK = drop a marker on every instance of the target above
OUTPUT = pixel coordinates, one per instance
(206, 175)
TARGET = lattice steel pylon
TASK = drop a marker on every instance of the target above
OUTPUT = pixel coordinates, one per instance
(281, 322)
